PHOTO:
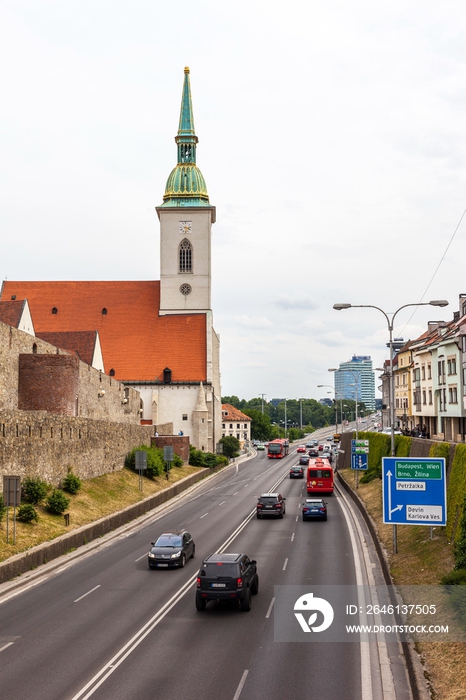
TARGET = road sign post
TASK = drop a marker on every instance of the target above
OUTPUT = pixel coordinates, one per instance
(414, 491)
(141, 464)
(168, 458)
(359, 457)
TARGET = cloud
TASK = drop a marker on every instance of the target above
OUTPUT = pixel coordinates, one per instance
(300, 301)
(260, 322)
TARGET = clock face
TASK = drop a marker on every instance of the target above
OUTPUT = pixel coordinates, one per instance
(185, 227)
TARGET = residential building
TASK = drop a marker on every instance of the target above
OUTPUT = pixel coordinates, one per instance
(236, 423)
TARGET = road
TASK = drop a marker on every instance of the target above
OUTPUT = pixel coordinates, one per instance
(105, 626)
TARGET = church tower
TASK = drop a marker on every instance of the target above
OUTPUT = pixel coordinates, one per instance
(186, 219)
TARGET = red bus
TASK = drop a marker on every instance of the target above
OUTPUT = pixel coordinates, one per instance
(319, 476)
(278, 449)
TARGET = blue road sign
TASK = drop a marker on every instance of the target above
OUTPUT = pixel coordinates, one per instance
(359, 461)
(414, 491)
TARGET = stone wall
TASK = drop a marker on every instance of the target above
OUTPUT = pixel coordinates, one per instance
(43, 444)
(48, 383)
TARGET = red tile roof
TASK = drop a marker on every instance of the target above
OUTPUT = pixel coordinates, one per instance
(233, 413)
(10, 312)
(136, 342)
(80, 342)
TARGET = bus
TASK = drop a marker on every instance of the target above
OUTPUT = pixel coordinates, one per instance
(319, 478)
(278, 448)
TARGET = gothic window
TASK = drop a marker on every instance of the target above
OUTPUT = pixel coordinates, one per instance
(186, 256)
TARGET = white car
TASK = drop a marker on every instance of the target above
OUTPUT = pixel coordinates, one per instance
(388, 431)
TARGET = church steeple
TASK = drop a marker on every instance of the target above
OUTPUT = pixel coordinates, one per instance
(186, 185)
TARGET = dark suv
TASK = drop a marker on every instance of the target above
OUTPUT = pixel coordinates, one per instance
(271, 504)
(227, 577)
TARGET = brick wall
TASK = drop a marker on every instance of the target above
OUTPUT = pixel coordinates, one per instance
(180, 444)
(48, 383)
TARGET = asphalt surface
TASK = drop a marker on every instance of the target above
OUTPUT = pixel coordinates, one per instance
(105, 626)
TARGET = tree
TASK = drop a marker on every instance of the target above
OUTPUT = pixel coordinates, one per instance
(230, 446)
(261, 427)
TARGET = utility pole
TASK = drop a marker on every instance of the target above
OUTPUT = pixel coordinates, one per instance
(262, 397)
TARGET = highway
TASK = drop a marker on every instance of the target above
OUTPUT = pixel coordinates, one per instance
(104, 626)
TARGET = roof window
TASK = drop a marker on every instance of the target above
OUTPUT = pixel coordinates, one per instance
(104, 311)
(54, 310)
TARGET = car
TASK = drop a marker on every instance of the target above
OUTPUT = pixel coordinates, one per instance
(297, 472)
(304, 460)
(313, 452)
(260, 446)
(388, 431)
(171, 549)
(308, 445)
(314, 508)
(301, 448)
(227, 577)
(330, 438)
(314, 443)
(270, 504)
(320, 447)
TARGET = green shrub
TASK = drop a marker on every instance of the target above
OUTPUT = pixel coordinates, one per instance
(441, 449)
(456, 491)
(231, 446)
(72, 483)
(177, 460)
(34, 489)
(454, 578)
(379, 446)
(57, 502)
(197, 458)
(402, 445)
(155, 463)
(27, 513)
(460, 544)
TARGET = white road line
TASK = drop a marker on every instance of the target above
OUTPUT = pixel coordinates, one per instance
(83, 596)
(241, 683)
(270, 608)
(203, 516)
(297, 517)
(5, 646)
(221, 504)
(292, 536)
(235, 493)
(245, 486)
(284, 565)
(141, 557)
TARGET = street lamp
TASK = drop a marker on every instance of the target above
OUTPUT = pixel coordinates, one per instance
(319, 386)
(390, 320)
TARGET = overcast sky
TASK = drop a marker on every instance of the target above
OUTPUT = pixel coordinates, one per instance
(331, 137)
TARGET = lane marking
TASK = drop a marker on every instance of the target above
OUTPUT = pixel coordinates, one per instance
(85, 594)
(101, 676)
(141, 557)
(284, 565)
(221, 504)
(203, 516)
(292, 536)
(245, 486)
(270, 608)
(241, 684)
(297, 517)
(6, 646)
(235, 493)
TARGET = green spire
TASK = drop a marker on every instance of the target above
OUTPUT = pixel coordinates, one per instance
(186, 185)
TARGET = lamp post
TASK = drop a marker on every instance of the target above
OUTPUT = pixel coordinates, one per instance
(319, 386)
(390, 318)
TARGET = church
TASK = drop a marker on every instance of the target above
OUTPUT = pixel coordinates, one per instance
(155, 336)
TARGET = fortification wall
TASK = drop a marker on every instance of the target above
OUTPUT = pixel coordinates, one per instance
(37, 443)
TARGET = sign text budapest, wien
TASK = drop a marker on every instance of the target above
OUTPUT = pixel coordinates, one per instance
(414, 491)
